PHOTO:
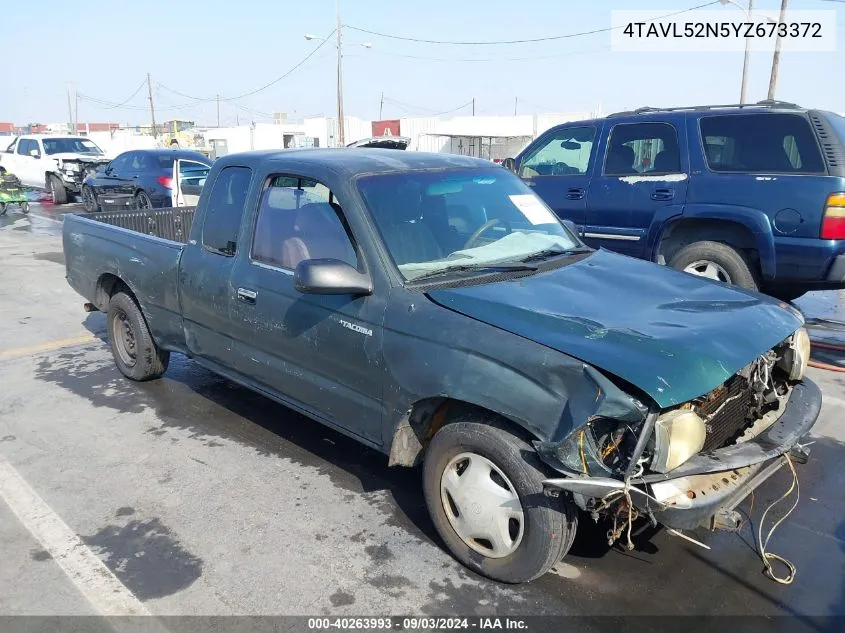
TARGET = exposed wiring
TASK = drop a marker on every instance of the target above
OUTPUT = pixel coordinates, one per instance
(769, 557)
(525, 41)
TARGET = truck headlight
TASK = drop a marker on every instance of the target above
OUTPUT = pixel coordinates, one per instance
(796, 356)
(678, 435)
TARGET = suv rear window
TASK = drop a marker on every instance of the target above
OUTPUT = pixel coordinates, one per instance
(761, 143)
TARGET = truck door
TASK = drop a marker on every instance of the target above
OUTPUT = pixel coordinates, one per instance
(558, 166)
(188, 180)
(316, 351)
(28, 166)
(206, 266)
(641, 178)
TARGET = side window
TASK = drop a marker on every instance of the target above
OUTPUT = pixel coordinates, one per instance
(566, 152)
(118, 165)
(192, 174)
(642, 148)
(299, 219)
(11, 148)
(760, 143)
(136, 162)
(224, 210)
(25, 146)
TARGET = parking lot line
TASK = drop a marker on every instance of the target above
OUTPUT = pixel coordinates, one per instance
(49, 346)
(87, 572)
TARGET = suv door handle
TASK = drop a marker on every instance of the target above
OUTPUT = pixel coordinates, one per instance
(246, 295)
(575, 193)
(662, 194)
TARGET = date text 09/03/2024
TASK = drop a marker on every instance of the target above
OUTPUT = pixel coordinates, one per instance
(417, 623)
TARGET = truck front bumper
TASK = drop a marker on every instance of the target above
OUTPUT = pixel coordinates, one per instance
(706, 488)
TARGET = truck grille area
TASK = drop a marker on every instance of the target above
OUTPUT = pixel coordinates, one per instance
(735, 398)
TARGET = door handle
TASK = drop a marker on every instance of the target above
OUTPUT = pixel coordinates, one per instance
(576, 193)
(246, 295)
(662, 194)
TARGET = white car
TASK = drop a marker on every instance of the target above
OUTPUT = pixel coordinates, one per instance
(56, 163)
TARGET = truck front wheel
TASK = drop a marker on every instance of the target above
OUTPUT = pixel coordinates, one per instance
(717, 261)
(57, 188)
(484, 492)
(135, 353)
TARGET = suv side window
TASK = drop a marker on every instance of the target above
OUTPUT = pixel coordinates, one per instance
(224, 210)
(760, 143)
(642, 148)
(11, 148)
(118, 165)
(565, 152)
(300, 219)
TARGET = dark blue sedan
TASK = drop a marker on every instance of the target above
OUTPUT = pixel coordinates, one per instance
(147, 179)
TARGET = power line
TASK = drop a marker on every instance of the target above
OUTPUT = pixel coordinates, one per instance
(494, 59)
(406, 107)
(262, 88)
(525, 41)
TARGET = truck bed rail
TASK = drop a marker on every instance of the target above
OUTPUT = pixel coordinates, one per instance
(172, 223)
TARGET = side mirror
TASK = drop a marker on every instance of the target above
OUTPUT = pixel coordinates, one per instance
(509, 164)
(330, 277)
(34, 153)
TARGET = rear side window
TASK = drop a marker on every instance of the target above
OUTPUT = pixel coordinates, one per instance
(642, 148)
(566, 152)
(761, 143)
(224, 210)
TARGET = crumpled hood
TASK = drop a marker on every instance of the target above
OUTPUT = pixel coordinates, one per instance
(673, 335)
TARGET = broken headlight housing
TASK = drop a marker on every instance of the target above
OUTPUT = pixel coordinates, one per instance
(796, 355)
(678, 435)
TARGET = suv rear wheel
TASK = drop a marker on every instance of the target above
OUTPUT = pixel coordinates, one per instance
(717, 261)
(484, 491)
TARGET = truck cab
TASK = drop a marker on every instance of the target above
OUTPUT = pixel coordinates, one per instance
(746, 195)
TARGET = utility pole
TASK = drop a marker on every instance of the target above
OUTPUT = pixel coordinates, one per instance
(473, 106)
(773, 80)
(70, 114)
(152, 107)
(218, 110)
(381, 105)
(341, 136)
(744, 89)
(515, 104)
(76, 110)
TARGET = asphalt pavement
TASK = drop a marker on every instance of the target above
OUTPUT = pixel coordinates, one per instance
(193, 496)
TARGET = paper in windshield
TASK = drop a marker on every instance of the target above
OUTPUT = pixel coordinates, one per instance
(534, 210)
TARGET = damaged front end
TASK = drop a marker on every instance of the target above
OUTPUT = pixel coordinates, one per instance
(691, 465)
(74, 171)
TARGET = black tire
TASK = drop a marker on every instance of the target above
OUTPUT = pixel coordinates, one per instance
(143, 201)
(135, 353)
(732, 262)
(57, 188)
(89, 200)
(548, 522)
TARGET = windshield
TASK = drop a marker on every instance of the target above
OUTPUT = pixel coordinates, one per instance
(441, 220)
(71, 146)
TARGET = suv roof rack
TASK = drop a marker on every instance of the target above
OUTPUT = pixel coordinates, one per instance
(766, 103)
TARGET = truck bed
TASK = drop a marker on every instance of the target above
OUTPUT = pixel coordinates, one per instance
(172, 223)
(141, 248)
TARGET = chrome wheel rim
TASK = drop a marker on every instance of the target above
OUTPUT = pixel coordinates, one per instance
(124, 338)
(481, 505)
(708, 269)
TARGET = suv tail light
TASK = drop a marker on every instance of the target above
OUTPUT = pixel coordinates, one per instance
(167, 181)
(833, 221)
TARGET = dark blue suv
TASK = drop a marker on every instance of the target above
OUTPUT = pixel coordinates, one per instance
(752, 195)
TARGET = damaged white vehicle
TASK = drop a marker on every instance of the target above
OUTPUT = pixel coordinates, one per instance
(58, 164)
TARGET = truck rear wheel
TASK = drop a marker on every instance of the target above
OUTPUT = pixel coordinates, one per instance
(484, 492)
(135, 353)
(717, 261)
(57, 188)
